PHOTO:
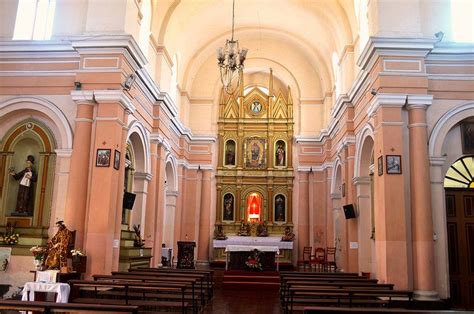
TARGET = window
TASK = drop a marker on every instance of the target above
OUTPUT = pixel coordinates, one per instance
(460, 174)
(462, 20)
(34, 19)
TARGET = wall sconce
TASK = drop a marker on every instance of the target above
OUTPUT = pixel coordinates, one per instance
(78, 85)
(129, 81)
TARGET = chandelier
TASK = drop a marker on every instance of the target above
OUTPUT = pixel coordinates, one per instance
(231, 61)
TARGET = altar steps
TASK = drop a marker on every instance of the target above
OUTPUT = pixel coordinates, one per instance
(248, 280)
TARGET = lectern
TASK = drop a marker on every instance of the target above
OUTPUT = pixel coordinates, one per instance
(186, 254)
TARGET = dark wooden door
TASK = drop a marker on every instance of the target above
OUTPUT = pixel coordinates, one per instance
(460, 226)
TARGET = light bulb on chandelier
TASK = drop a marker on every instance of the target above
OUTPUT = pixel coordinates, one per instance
(231, 61)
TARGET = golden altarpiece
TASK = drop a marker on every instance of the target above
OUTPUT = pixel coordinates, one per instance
(254, 173)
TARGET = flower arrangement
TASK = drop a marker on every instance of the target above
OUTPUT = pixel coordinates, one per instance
(253, 261)
(10, 237)
(38, 252)
(76, 252)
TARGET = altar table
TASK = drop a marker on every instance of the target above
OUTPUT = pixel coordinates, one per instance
(238, 260)
(258, 241)
(61, 290)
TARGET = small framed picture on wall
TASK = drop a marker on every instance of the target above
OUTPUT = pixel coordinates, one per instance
(380, 165)
(394, 164)
(116, 159)
(102, 158)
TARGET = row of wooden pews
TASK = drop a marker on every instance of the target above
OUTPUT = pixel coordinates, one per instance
(301, 289)
(151, 289)
(51, 307)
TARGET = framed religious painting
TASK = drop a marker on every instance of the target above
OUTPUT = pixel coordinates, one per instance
(394, 164)
(380, 165)
(116, 159)
(255, 152)
(102, 157)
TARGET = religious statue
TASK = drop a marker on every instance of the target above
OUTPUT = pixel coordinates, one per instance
(280, 155)
(228, 207)
(244, 229)
(262, 229)
(24, 201)
(280, 208)
(289, 236)
(219, 233)
(56, 252)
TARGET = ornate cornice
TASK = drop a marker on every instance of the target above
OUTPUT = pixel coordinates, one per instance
(114, 95)
(386, 100)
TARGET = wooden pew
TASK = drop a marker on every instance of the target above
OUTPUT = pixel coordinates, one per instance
(331, 310)
(208, 273)
(306, 296)
(50, 307)
(145, 288)
(154, 278)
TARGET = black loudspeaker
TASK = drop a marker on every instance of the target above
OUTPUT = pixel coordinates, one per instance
(128, 200)
(349, 211)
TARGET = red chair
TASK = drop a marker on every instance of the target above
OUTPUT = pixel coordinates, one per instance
(319, 259)
(331, 259)
(307, 250)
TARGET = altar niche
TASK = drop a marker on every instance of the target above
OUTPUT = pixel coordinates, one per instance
(254, 207)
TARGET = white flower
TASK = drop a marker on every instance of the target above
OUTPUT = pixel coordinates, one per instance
(75, 252)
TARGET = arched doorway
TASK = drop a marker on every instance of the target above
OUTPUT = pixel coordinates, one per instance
(364, 182)
(459, 194)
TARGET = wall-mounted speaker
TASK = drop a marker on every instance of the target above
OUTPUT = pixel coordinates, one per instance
(349, 211)
(128, 200)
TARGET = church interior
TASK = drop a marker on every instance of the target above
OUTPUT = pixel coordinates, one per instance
(223, 137)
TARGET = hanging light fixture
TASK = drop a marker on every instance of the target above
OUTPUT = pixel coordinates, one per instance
(231, 61)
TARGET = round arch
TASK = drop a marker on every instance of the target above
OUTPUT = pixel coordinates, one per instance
(47, 112)
(361, 149)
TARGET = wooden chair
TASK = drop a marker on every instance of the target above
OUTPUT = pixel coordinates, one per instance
(307, 251)
(331, 259)
(319, 259)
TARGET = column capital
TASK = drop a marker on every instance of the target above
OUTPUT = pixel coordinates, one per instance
(419, 101)
(437, 161)
(83, 97)
(67, 152)
(361, 180)
(160, 140)
(115, 95)
(386, 100)
(143, 176)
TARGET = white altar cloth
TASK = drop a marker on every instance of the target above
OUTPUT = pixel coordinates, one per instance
(248, 248)
(62, 290)
(256, 241)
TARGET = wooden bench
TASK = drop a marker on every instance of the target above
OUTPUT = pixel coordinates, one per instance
(324, 281)
(339, 297)
(331, 285)
(97, 290)
(208, 273)
(50, 307)
(163, 278)
(331, 310)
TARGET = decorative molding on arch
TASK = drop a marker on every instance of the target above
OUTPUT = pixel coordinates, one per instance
(43, 105)
(447, 121)
(137, 127)
(337, 163)
(367, 131)
(170, 159)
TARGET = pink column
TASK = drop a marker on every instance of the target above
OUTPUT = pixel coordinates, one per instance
(390, 193)
(204, 221)
(422, 220)
(303, 214)
(159, 204)
(352, 224)
(102, 222)
(150, 227)
(76, 200)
